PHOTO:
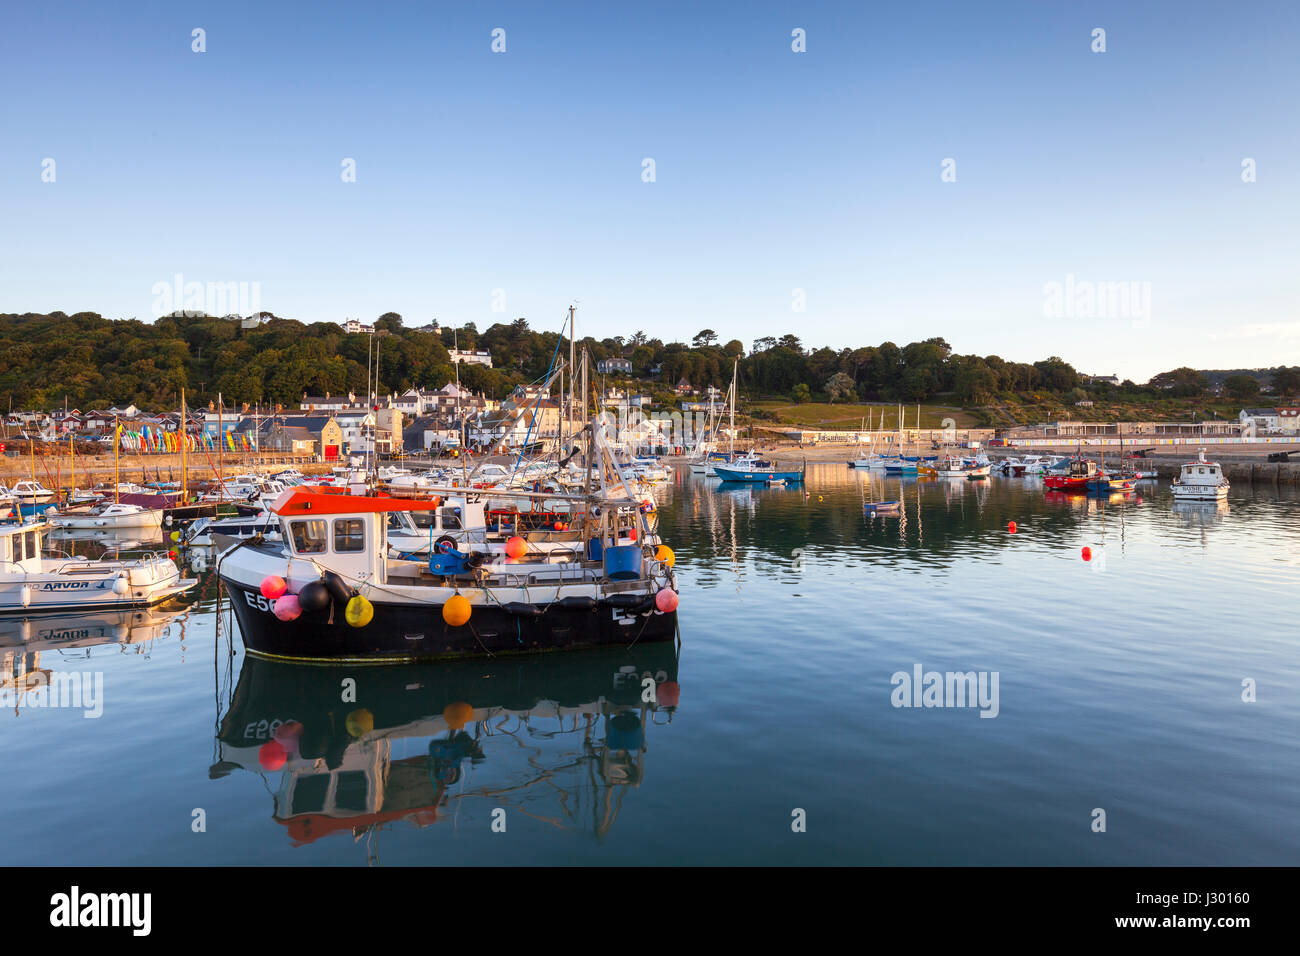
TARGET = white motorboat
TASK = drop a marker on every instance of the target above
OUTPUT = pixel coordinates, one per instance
(30, 581)
(200, 533)
(111, 515)
(29, 492)
(1201, 480)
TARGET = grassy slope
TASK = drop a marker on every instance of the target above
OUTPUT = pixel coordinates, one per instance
(850, 415)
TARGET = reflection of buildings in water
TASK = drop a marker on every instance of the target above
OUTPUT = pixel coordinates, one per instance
(24, 639)
(559, 738)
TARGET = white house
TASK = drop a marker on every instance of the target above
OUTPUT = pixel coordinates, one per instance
(352, 325)
(612, 366)
(471, 356)
(1259, 420)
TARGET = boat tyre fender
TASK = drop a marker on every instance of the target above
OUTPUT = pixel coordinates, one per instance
(522, 609)
(337, 588)
(624, 601)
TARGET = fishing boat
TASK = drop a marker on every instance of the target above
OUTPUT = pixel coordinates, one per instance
(1201, 480)
(754, 469)
(1104, 484)
(112, 515)
(1081, 471)
(30, 581)
(333, 590)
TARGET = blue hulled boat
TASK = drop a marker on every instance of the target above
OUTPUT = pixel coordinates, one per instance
(755, 470)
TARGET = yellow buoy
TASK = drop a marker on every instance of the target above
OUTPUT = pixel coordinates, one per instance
(457, 714)
(665, 554)
(359, 722)
(359, 611)
(457, 610)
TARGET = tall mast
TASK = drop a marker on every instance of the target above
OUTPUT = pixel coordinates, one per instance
(221, 448)
(573, 340)
(735, 368)
(72, 463)
(117, 444)
(185, 435)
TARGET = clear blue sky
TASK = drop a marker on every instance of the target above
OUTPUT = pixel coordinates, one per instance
(775, 170)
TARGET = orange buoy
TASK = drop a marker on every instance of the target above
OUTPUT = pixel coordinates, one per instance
(665, 554)
(1086, 553)
(457, 714)
(457, 610)
(1011, 527)
(515, 547)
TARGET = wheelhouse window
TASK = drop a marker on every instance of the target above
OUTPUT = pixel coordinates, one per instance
(310, 536)
(29, 542)
(450, 519)
(349, 535)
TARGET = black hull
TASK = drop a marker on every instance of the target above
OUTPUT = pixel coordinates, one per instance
(402, 633)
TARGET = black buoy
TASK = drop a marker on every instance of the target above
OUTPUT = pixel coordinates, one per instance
(338, 590)
(314, 597)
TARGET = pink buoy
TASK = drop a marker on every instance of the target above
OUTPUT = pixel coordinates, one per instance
(273, 586)
(272, 755)
(666, 600)
(287, 607)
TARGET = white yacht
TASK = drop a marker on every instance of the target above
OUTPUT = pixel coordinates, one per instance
(30, 581)
(110, 515)
(31, 493)
(1201, 480)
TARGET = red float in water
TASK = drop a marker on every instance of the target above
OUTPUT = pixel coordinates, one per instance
(1011, 527)
(272, 755)
(1086, 553)
(668, 694)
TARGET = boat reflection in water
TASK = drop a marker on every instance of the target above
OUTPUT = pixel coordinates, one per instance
(1200, 513)
(560, 737)
(24, 639)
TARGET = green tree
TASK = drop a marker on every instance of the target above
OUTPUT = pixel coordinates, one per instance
(1241, 386)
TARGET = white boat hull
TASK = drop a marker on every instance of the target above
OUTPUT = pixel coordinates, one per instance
(1200, 492)
(90, 586)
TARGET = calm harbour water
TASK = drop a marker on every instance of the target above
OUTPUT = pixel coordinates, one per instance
(1120, 684)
